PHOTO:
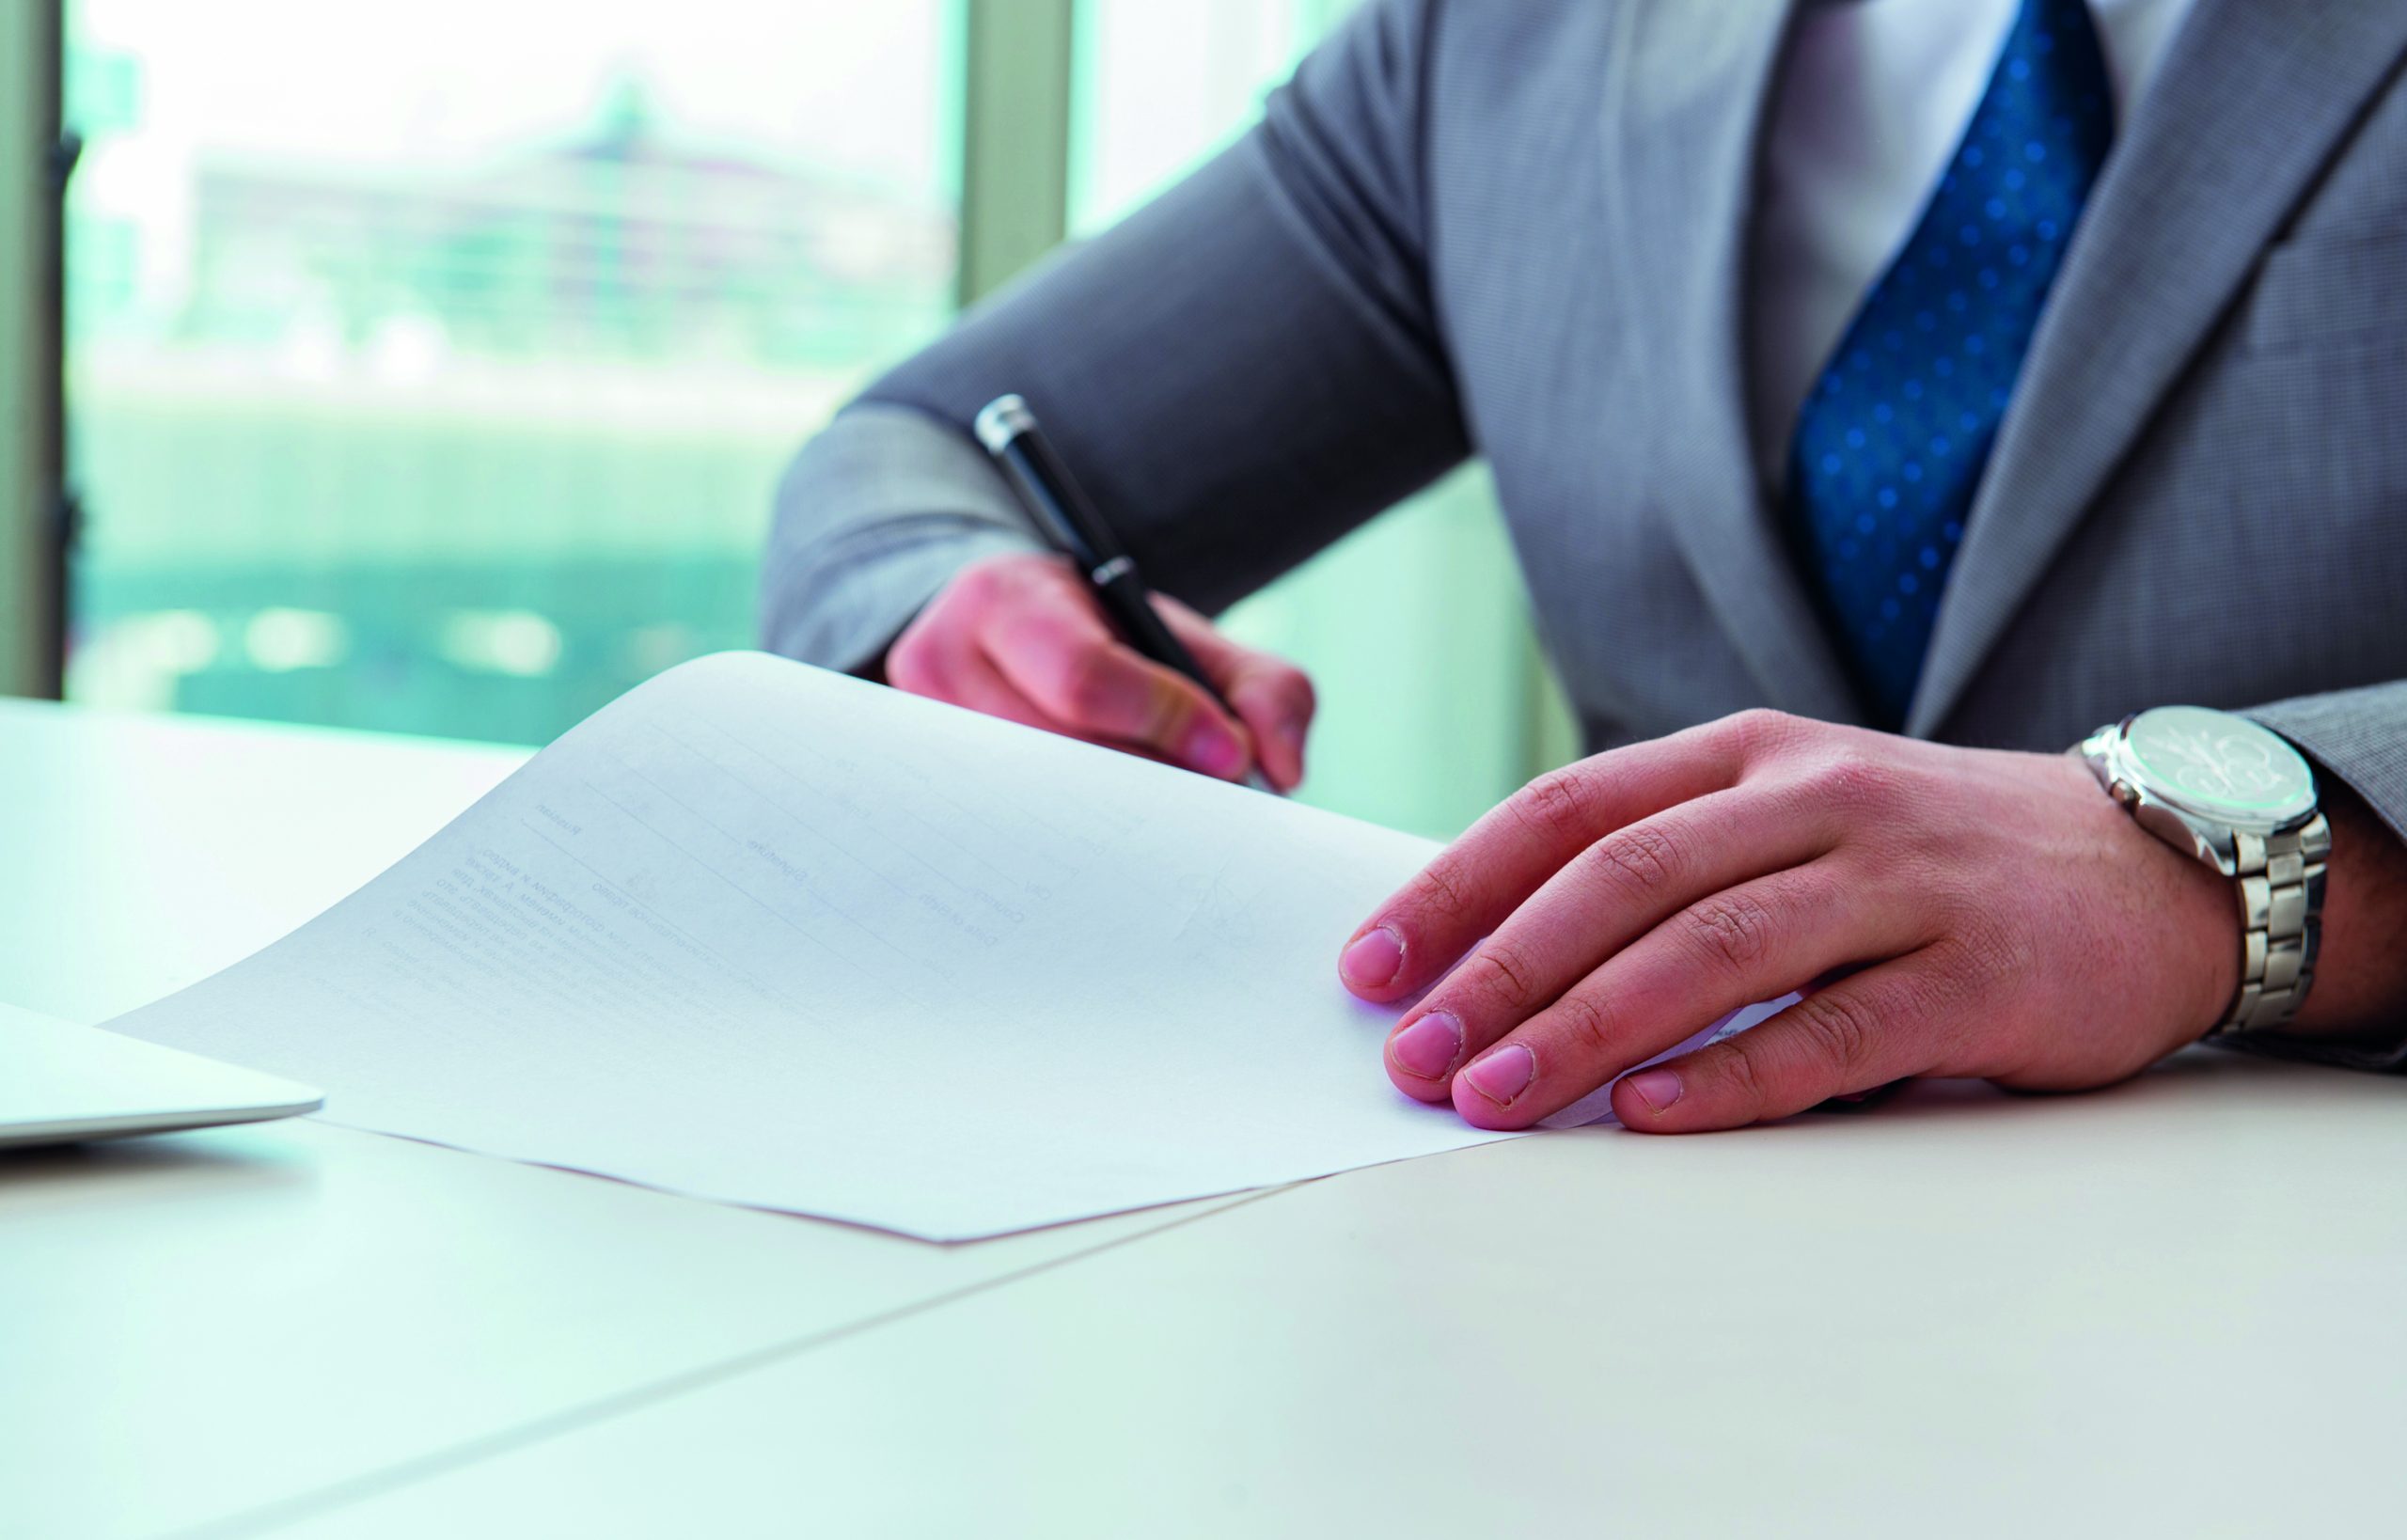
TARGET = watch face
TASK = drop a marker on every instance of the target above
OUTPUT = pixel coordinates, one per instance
(2223, 766)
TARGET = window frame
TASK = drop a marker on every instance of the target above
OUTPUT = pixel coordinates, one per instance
(35, 508)
(1015, 137)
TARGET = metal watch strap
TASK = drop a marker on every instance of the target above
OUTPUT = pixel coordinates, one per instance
(2281, 894)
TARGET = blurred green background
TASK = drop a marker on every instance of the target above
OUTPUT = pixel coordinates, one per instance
(430, 372)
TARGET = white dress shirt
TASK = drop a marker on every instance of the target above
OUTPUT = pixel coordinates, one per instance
(1872, 98)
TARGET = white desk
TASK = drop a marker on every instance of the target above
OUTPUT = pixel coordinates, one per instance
(2172, 1308)
(200, 1328)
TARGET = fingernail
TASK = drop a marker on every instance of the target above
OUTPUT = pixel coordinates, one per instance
(1428, 1047)
(1373, 961)
(1502, 1075)
(1211, 748)
(1658, 1088)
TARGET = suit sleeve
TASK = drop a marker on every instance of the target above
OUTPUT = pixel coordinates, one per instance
(2359, 736)
(1240, 372)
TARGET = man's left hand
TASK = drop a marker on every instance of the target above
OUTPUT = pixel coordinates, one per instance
(1964, 912)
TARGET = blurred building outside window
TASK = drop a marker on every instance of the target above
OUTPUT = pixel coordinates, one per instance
(432, 371)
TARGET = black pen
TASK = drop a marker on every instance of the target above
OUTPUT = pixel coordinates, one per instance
(1068, 518)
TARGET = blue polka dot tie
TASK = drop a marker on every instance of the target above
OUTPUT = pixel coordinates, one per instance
(1890, 443)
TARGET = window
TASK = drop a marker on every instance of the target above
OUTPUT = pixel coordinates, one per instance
(431, 369)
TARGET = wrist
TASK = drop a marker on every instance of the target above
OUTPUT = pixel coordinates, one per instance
(2183, 966)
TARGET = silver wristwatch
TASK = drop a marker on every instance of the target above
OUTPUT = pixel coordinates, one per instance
(2228, 793)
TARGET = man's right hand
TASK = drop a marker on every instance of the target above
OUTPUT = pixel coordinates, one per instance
(1020, 637)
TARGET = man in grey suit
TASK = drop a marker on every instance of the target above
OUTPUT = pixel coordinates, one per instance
(1882, 397)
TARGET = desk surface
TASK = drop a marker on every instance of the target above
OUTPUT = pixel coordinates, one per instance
(208, 1326)
(2167, 1311)
(2168, 1308)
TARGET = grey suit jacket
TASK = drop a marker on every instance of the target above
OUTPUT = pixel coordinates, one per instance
(1517, 229)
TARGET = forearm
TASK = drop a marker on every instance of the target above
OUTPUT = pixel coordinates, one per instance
(1230, 389)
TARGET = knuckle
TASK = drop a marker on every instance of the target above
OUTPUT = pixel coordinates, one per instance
(1989, 948)
(1558, 805)
(1441, 890)
(1506, 974)
(905, 673)
(1731, 931)
(1742, 1068)
(1640, 858)
(1760, 727)
(1854, 781)
(910, 662)
(980, 584)
(1091, 683)
(1296, 691)
(1282, 692)
(1163, 716)
(1584, 1025)
(1838, 1027)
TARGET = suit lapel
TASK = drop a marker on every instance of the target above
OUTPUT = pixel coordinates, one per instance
(1688, 91)
(2247, 109)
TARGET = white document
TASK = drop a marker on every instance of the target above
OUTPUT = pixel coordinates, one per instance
(768, 934)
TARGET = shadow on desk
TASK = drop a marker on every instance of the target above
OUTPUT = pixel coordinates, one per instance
(2190, 1075)
(215, 1161)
